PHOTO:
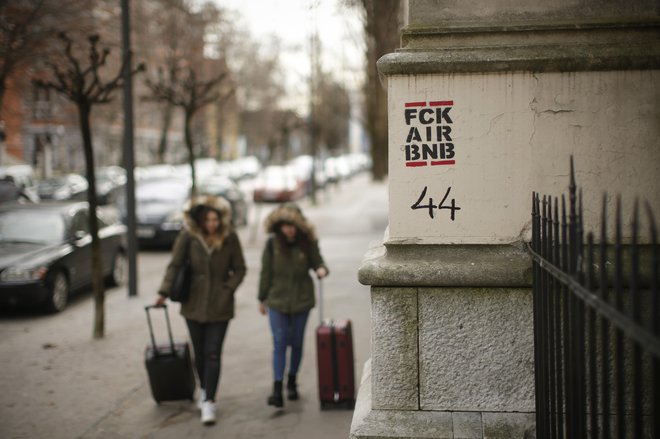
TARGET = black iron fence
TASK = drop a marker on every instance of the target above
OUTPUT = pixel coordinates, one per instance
(596, 323)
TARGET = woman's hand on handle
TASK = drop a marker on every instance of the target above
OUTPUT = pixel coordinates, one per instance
(160, 301)
(321, 272)
(262, 308)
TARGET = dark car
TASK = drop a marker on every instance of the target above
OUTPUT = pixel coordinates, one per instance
(221, 186)
(9, 191)
(159, 204)
(45, 252)
(66, 187)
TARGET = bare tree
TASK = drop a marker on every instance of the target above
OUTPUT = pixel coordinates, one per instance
(259, 76)
(173, 40)
(80, 82)
(283, 124)
(183, 90)
(256, 75)
(260, 87)
(333, 115)
(27, 29)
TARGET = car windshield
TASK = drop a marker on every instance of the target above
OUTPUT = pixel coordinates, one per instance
(31, 226)
(215, 187)
(52, 183)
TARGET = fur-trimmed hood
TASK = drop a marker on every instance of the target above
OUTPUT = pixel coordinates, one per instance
(290, 213)
(219, 204)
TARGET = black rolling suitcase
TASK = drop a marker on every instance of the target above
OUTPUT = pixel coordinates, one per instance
(336, 373)
(169, 366)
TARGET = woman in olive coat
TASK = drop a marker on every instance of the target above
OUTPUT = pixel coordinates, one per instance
(286, 290)
(218, 268)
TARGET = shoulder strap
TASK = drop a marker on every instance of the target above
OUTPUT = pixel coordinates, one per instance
(188, 244)
(269, 245)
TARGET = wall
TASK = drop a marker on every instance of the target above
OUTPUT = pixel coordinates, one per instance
(513, 133)
(431, 12)
(502, 93)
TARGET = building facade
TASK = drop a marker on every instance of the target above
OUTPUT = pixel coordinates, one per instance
(487, 103)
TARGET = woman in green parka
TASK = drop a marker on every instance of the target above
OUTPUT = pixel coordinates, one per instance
(218, 268)
(286, 290)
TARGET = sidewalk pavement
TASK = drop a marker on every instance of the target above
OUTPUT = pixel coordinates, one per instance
(59, 383)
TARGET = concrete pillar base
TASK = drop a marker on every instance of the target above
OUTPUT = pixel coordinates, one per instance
(415, 424)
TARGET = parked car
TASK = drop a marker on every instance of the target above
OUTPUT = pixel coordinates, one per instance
(303, 165)
(359, 161)
(159, 204)
(66, 187)
(337, 169)
(45, 252)
(278, 184)
(244, 167)
(9, 191)
(222, 186)
(110, 180)
(23, 177)
(155, 171)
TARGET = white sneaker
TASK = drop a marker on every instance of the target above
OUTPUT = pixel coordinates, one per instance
(201, 398)
(208, 413)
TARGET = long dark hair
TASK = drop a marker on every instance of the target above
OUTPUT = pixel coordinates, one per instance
(301, 239)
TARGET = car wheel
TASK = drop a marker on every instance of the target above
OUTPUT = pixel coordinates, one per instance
(59, 292)
(119, 270)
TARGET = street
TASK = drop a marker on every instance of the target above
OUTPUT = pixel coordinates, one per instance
(57, 382)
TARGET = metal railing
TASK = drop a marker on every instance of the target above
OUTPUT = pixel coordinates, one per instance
(596, 324)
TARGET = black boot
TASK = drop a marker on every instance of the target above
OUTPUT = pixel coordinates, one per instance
(276, 398)
(292, 389)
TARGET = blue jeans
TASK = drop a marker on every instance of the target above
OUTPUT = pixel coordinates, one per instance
(287, 330)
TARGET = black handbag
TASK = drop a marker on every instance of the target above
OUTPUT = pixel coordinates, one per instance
(180, 289)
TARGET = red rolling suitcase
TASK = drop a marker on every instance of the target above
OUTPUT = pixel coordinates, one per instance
(169, 366)
(334, 346)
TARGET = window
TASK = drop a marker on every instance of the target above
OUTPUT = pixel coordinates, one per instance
(80, 223)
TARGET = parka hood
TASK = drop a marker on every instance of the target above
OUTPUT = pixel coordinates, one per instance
(290, 213)
(216, 203)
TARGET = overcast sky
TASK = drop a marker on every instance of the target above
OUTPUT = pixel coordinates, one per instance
(339, 29)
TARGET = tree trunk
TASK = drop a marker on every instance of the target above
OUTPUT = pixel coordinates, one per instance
(4, 74)
(97, 259)
(164, 130)
(2, 96)
(191, 153)
(314, 151)
(380, 150)
(382, 29)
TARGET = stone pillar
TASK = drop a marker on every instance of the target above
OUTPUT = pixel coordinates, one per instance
(486, 104)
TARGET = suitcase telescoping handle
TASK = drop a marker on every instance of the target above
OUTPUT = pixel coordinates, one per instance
(320, 301)
(151, 329)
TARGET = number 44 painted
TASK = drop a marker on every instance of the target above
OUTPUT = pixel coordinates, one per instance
(452, 209)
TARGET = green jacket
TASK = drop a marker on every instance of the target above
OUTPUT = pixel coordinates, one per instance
(218, 269)
(285, 283)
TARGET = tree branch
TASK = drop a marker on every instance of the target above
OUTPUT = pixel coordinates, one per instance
(76, 75)
(187, 93)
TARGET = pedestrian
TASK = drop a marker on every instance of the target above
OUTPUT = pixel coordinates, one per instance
(218, 268)
(286, 290)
